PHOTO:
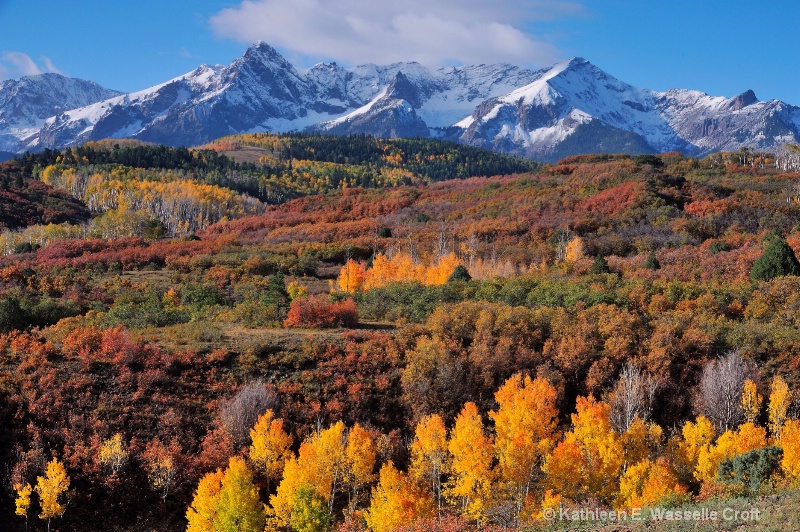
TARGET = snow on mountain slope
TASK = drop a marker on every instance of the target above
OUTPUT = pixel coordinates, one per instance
(535, 119)
(571, 107)
(26, 103)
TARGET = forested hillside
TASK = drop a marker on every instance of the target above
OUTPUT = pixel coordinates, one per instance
(608, 331)
(136, 189)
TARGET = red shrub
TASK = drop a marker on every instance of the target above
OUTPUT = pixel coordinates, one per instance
(319, 313)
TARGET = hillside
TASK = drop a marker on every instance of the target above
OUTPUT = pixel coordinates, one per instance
(132, 188)
(349, 306)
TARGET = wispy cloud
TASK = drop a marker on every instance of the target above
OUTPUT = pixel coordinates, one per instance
(431, 32)
(18, 64)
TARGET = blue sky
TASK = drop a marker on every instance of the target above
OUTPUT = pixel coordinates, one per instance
(722, 48)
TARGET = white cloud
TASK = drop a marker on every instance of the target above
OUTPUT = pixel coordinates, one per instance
(18, 64)
(433, 32)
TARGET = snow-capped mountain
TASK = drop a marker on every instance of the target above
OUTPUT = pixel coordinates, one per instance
(26, 103)
(572, 107)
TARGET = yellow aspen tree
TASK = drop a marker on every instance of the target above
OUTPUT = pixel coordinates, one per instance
(296, 290)
(646, 483)
(23, 501)
(751, 402)
(321, 463)
(50, 488)
(396, 501)
(730, 443)
(381, 273)
(472, 451)
(282, 503)
(239, 508)
(269, 448)
(640, 442)
(203, 510)
(576, 250)
(780, 399)
(525, 434)
(360, 455)
(790, 443)
(588, 461)
(310, 512)
(113, 454)
(696, 437)
(430, 458)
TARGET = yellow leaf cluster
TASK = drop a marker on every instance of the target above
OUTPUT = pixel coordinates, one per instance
(780, 399)
(646, 483)
(472, 452)
(730, 443)
(790, 443)
(751, 401)
(525, 427)
(23, 500)
(396, 501)
(113, 454)
(270, 445)
(50, 488)
(587, 462)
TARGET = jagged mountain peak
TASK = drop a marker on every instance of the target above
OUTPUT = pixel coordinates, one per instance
(570, 107)
(744, 99)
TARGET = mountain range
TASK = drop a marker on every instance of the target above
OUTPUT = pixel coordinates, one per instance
(569, 108)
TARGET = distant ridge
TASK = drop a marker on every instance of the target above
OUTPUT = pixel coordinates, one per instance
(570, 108)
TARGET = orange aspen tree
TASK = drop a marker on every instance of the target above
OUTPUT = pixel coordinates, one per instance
(351, 276)
(587, 462)
(525, 428)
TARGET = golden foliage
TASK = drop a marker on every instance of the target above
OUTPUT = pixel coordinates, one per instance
(790, 443)
(780, 399)
(23, 499)
(588, 461)
(270, 445)
(751, 401)
(470, 482)
(239, 508)
(730, 443)
(399, 268)
(430, 458)
(646, 483)
(525, 426)
(113, 454)
(396, 501)
(50, 488)
(203, 510)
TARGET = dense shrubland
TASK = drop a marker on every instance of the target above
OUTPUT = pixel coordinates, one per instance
(634, 316)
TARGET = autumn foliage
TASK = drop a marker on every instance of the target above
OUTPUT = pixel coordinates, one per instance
(320, 313)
